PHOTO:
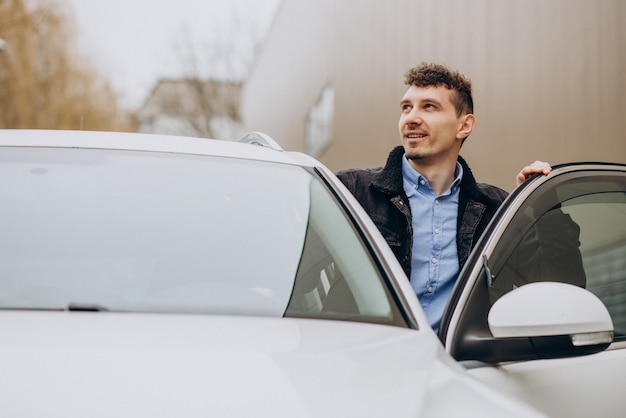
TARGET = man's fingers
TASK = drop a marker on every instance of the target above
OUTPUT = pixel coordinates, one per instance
(536, 167)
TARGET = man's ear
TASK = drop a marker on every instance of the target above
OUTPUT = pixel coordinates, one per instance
(468, 122)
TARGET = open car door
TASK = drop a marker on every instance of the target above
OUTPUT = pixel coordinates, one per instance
(539, 310)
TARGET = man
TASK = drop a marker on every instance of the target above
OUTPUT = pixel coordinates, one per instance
(425, 200)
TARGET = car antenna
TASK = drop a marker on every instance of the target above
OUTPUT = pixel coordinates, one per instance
(264, 140)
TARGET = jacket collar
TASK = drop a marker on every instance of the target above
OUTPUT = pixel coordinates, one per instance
(389, 180)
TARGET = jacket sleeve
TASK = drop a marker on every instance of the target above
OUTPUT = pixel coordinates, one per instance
(347, 177)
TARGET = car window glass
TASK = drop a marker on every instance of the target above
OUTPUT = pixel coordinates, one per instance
(158, 232)
(574, 232)
(603, 246)
(335, 277)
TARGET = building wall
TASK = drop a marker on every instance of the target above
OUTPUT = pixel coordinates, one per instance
(549, 77)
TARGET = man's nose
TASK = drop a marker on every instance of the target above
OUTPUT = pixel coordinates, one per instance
(414, 116)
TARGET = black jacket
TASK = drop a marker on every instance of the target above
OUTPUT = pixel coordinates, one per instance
(381, 193)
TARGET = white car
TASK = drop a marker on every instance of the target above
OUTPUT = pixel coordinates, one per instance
(146, 275)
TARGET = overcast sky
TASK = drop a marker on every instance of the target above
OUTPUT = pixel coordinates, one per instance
(135, 42)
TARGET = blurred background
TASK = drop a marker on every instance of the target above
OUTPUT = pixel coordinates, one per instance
(324, 77)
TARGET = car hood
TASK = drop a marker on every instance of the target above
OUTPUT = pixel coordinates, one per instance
(109, 364)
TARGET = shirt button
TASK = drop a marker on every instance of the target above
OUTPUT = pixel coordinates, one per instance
(436, 201)
(434, 260)
(422, 182)
(430, 289)
(436, 230)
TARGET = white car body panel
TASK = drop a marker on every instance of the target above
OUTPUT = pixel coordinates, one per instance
(150, 142)
(555, 386)
(75, 364)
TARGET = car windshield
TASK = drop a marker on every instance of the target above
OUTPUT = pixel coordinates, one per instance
(160, 232)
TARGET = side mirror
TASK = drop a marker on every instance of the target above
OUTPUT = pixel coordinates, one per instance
(558, 319)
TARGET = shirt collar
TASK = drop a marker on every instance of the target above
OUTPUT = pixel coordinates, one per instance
(413, 176)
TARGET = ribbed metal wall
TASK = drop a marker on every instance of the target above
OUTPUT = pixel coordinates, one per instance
(549, 76)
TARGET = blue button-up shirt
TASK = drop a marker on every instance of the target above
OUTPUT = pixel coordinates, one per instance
(435, 263)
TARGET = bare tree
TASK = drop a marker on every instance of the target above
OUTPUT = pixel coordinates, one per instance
(205, 101)
(191, 106)
(44, 83)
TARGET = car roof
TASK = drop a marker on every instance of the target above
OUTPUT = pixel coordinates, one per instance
(253, 146)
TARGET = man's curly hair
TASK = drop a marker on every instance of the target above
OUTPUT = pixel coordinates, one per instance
(435, 75)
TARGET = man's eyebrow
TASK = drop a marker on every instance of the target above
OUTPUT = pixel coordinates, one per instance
(422, 101)
(431, 100)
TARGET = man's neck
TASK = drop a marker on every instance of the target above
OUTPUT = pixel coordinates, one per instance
(440, 175)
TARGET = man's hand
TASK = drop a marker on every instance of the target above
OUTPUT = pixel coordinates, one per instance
(529, 170)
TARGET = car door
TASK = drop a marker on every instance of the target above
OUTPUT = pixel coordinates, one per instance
(568, 227)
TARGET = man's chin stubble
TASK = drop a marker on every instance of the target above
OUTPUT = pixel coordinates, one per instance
(414, 156)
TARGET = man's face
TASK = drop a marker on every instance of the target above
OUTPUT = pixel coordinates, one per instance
(430, 129)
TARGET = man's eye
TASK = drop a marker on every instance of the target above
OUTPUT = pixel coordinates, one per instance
(405, 107)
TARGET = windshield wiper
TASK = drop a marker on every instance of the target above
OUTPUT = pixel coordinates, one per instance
(85, 307)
